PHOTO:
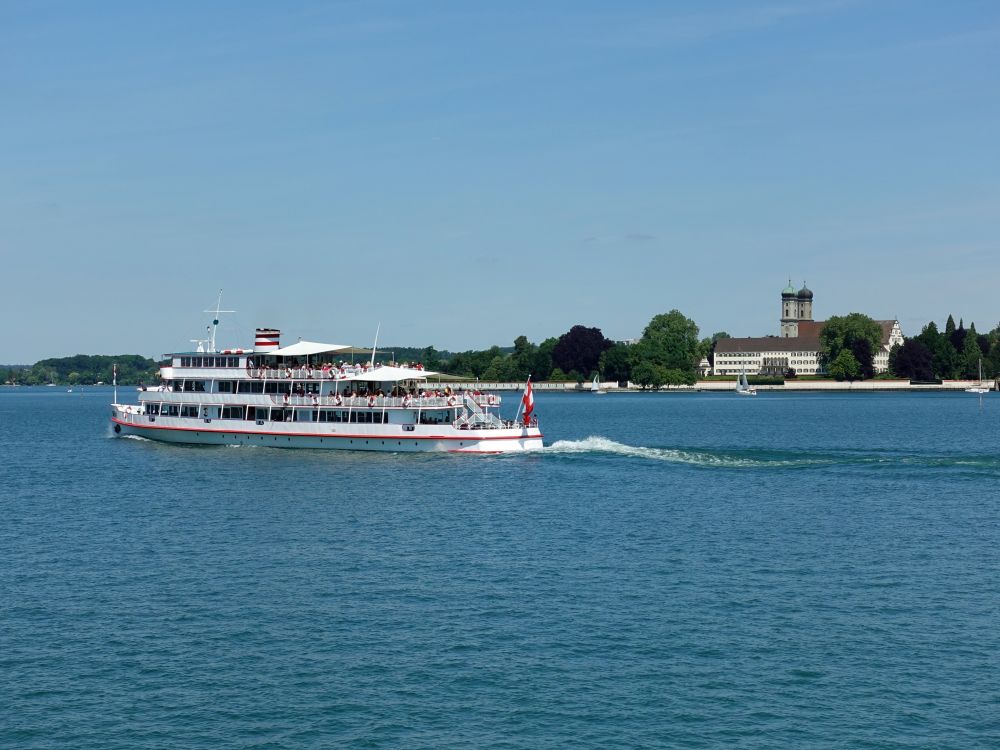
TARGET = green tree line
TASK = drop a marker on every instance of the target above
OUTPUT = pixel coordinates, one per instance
(955, 352)
(84, 369)
(667, 354)
(849, 344)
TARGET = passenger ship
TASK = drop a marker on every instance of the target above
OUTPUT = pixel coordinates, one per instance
(298, 396)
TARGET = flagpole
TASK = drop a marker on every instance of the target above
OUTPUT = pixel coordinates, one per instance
(114, 380)
(521, 403)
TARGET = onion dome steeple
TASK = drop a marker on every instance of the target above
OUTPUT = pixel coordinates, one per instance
(788, 291)
(805, 292)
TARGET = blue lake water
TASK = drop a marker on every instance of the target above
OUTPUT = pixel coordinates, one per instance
(682, 571)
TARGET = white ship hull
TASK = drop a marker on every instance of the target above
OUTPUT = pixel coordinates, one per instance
(359, 437)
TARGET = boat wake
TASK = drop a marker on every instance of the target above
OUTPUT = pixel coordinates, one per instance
(601, 445)
(770, 459)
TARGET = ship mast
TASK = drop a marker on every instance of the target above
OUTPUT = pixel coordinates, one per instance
(215, 322)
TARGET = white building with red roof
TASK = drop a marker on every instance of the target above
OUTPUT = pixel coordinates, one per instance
(798, 345)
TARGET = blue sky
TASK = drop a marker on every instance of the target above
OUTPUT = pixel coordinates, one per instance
(467, 172)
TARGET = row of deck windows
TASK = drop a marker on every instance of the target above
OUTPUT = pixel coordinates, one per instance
(301, 388)
(209, 361)
(270, 414)
(737, 355)
(245, 386)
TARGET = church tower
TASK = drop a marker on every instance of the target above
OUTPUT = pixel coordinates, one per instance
(790, 311)
(805, 298)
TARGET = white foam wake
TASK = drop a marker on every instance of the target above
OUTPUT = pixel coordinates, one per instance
(597, 444)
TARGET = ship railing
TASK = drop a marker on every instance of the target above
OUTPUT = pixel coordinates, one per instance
(483, 421)
(490, 421)
(129, 412)
(308, 373)
(388, 402)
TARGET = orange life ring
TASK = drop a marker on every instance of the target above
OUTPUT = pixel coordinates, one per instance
(371, 402)
(452, 401)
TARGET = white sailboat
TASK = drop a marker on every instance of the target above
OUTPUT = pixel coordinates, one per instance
(743, 388)
(596, 389)
(979, 388)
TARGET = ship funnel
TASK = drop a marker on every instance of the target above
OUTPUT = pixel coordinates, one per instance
(267, 340)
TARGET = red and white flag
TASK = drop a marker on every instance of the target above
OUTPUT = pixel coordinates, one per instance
(528, 401)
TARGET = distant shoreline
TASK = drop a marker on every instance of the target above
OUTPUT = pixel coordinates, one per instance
(725, 386)
(702, 386)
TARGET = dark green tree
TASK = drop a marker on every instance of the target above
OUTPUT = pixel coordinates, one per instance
(648, 375)
(862, 350)
(542, 360)
(472, 364)
(971, 356)
(580, 349)
(912, 360)
(847, 332)
(670, 341)
(982, 340)
(430, 359)
(949, 326)
(844, 366)
(991, 362)
(523, 357)
(616, 363)
(672, 376)
(958, 336)
(945, 358)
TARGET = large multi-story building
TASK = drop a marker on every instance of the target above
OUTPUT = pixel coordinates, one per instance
(798, 345)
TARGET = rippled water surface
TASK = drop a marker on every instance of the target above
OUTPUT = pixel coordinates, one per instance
(681, 571)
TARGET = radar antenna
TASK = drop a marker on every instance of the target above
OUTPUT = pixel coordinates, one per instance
(201, 342)
(215, 322)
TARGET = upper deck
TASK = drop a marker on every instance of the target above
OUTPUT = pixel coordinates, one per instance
(193, 367)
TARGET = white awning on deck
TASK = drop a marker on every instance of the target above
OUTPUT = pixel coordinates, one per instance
(391, 374)
(307, 349)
